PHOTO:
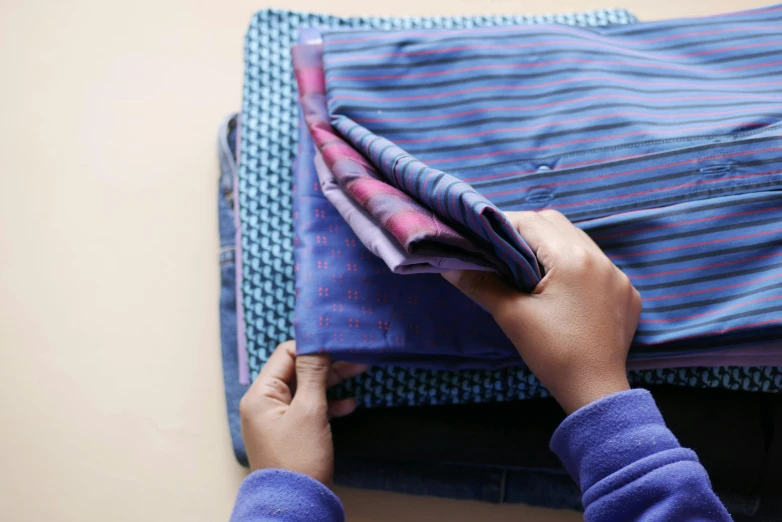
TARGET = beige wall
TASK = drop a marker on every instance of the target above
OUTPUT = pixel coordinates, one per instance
(111, 401)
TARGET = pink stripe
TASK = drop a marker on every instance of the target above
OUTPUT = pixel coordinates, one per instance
(651, 115)
(706, 314)
(311, 80)
(551, 27)
(716, 332)
(570, 43)
(551, 62)
(601, 79)
(693, 245)
(700, 33)
(666, 189)
(765, 355)
(734, 48)
(688, 222)
(562, 166)
(716, 289)
(704, 267)
(636, 171)
(592, 140)
(332, 154)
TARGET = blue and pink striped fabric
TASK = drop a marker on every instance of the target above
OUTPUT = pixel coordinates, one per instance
(516, 117)
(350, 305)
(503, 102)
(661, 140)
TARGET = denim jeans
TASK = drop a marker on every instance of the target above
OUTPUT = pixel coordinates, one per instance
(228, 332)
(450, 478)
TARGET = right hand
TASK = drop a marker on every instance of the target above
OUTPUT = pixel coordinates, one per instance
(575, 328)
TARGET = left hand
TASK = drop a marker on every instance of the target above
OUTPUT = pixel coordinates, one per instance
(285, 413)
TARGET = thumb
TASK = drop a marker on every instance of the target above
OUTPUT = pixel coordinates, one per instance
(485, 288)
(312, 372)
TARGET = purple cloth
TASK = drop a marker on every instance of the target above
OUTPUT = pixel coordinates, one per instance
(350, 305)
(285, 496)
(626, 461)
(708, 282)
(770, 355)
(630, 466)
(418, 229)
(380, 242)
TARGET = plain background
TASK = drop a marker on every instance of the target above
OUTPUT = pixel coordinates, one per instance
(111, 395)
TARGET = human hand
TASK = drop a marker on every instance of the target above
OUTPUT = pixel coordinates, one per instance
(285, 413)
(575, 328)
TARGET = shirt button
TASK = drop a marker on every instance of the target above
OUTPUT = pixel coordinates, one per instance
(544, 168)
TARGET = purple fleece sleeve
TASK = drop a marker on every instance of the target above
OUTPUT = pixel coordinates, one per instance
(630, 466)
(285, 496)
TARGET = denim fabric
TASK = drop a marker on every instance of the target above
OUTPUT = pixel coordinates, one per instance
(228, 331)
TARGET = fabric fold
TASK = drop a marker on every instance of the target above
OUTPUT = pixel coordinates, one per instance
(417, 228)
(381, 243)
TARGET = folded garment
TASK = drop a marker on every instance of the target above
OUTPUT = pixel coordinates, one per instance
(442, 121)
(506, 101)
(706, 263)
(417, 229)
(267, 289)
(268, 146)
(380, 242)
(389, 386)
(350, 305)
(514, 466)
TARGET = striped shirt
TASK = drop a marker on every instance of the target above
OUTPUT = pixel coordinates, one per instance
(661, 140)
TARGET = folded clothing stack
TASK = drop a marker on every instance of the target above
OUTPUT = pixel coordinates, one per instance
(265, 279)
(500, 456)
(349, 253)
(682, 195)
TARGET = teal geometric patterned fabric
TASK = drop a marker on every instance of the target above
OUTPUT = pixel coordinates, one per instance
(268, 149)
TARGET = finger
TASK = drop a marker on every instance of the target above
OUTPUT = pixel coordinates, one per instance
(485, 288)
(312, 373)
(275, 379)
(281, 364)
(550, 234)
(343, 370)
(542, 236)
(566, 230)
(341, 407)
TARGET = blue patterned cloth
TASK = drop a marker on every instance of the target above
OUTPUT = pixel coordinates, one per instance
(268, 149)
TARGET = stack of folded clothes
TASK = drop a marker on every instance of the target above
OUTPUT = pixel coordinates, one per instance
(371, 153)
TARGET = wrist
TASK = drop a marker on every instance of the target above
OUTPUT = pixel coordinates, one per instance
(581, 391)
